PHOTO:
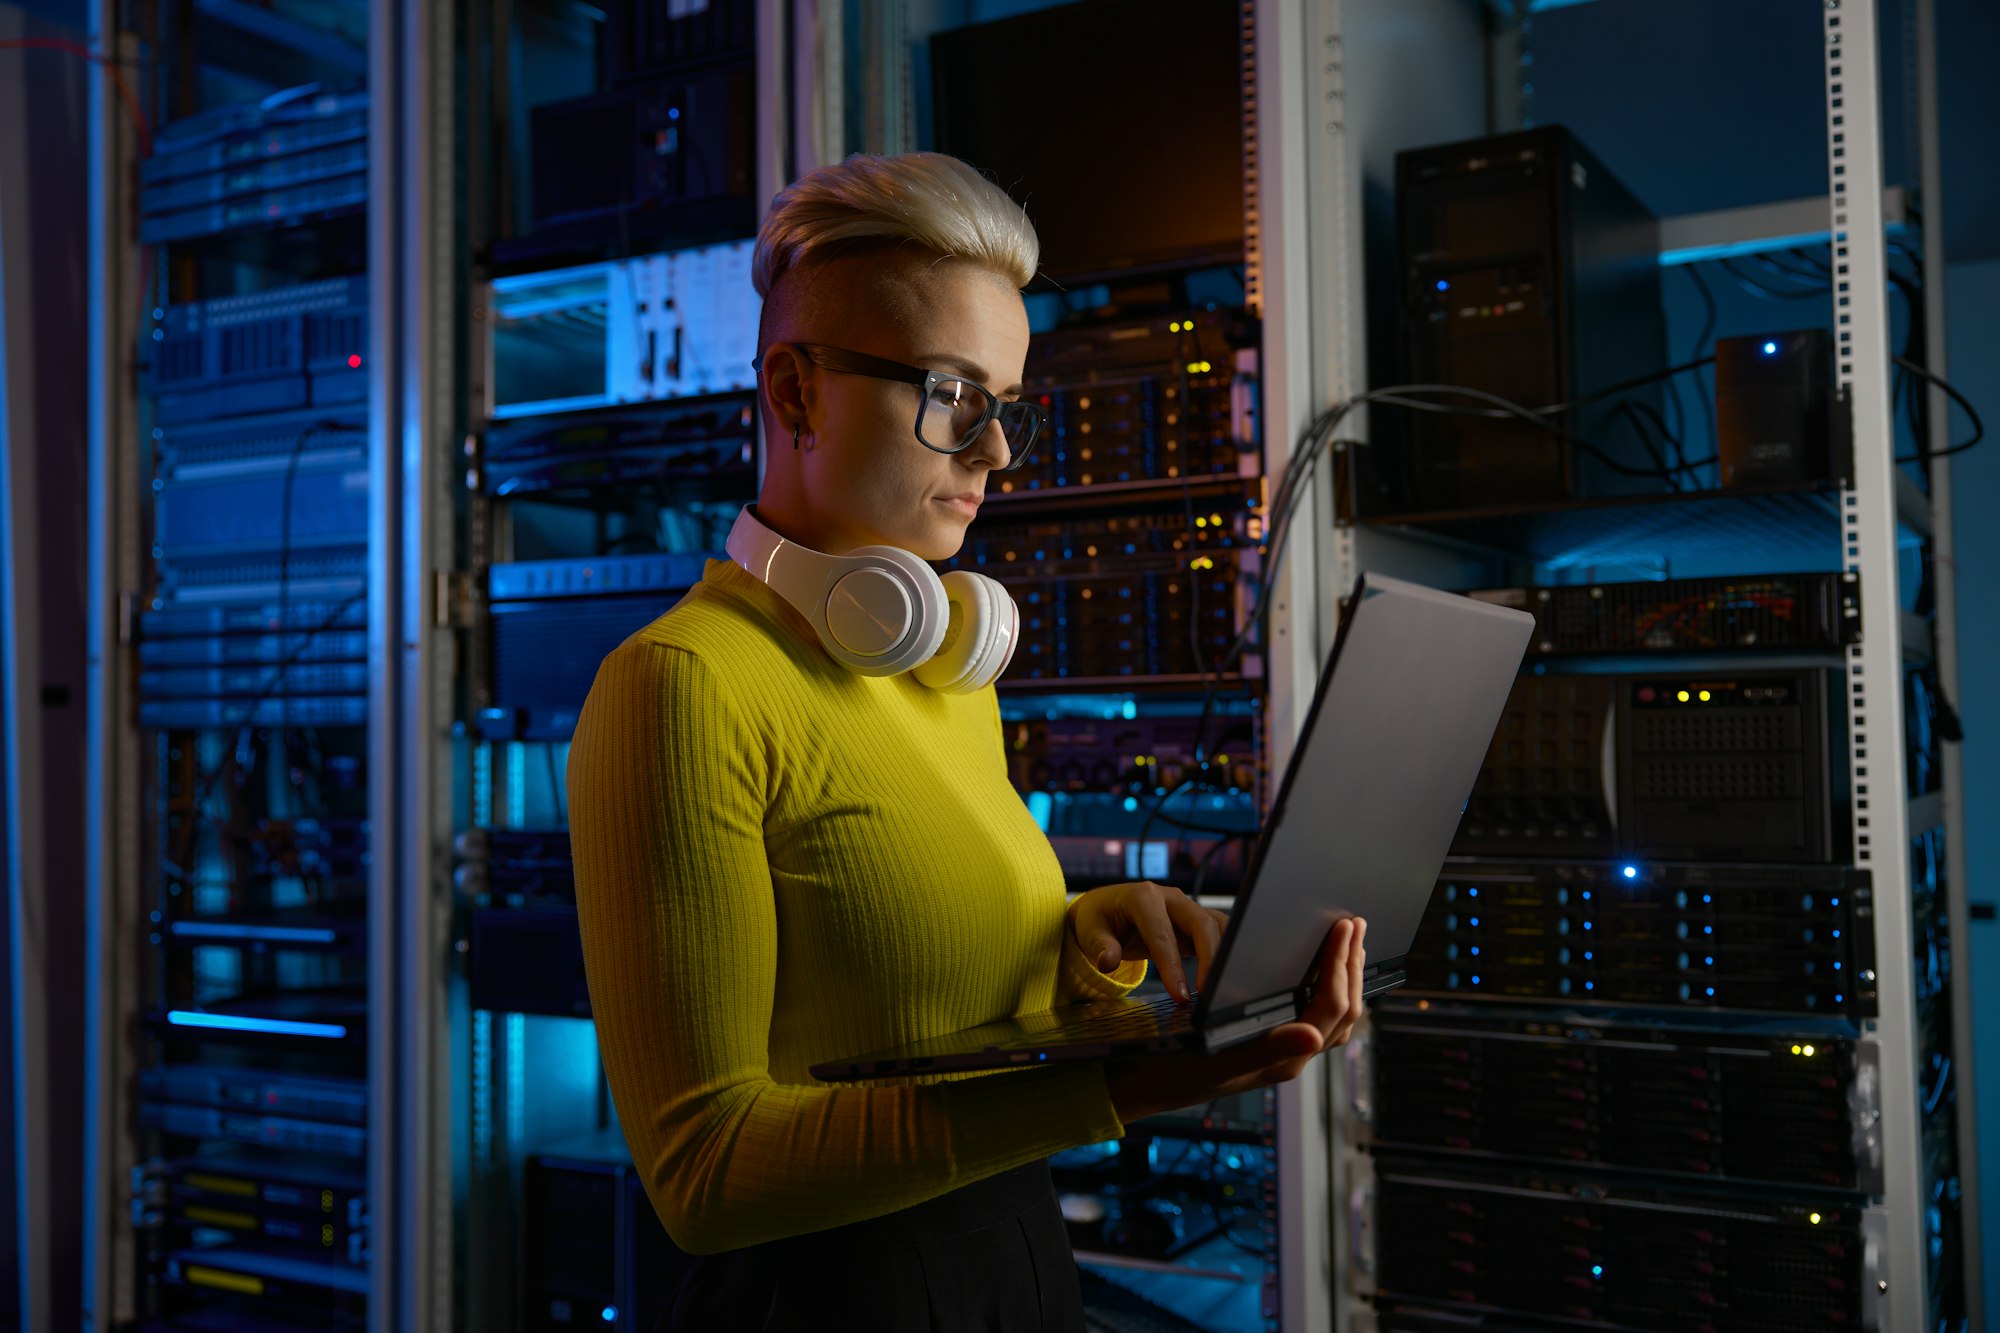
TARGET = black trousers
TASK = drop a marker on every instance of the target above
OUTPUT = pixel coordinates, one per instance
(993, 1255)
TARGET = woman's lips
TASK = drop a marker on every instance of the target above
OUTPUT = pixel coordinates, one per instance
(965, 506)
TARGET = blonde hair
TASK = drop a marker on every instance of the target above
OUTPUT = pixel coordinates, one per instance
(929, 200)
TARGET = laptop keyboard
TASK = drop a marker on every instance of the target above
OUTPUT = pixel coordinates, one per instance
(1133, 1018)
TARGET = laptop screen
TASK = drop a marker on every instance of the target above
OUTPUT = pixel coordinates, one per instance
(1406, 708)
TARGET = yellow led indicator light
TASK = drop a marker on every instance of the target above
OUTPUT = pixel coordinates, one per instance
(1814, 1219)
(1809, 1050)
(1704, 696)
(1683, 696)
(1200, 522)
(1798, 1050)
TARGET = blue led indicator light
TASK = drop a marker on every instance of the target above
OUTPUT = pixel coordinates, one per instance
(1443, 286)
(1770, 349)
(1597, 1270)
(609, 1314)
(1631, 872)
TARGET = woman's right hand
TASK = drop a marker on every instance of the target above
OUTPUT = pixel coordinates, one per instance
(1155, 1084)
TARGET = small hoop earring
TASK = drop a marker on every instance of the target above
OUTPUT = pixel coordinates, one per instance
(795, 434)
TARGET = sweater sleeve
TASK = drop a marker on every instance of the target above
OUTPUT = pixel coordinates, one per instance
(1078, 978)
(668, 783)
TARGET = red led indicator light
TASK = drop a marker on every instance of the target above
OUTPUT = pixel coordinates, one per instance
(354, 361)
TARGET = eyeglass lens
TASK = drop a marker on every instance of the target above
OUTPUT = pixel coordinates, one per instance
(953, 411)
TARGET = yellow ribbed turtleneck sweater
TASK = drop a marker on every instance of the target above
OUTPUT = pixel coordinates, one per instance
(778, 862)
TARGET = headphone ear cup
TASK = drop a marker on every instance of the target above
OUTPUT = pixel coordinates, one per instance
(979, 641)
(886, 614)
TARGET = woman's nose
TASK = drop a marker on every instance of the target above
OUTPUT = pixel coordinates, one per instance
(991, 446)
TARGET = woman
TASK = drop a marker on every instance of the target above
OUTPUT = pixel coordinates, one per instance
(784, 855)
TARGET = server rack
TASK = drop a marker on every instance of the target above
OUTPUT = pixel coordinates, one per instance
(430, 1260)
(1906, 1264)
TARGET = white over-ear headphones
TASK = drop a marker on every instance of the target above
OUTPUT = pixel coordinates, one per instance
(881, 610)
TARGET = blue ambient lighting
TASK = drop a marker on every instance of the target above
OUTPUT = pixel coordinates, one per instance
(1041, 805)
(188, 1018)
(225, 930)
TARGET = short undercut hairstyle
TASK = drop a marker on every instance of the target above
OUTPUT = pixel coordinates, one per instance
(930, 201)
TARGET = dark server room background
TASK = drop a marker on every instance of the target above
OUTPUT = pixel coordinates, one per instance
(369, 370)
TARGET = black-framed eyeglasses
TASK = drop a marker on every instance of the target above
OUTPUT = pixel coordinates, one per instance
(952, 412)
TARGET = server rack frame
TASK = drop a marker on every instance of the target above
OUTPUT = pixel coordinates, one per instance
(1870, 510)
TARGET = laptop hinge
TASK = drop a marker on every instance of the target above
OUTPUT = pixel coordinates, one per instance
(1216, 1036)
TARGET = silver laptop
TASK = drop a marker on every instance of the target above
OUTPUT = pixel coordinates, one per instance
(1400, 723)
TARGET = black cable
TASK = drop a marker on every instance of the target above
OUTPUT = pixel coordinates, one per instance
(285, 558)
(1201, 866)
(1314, 440)
(250, 712)
(1707, 332)
(1630, 412)
(1924, 454)
(275, 681)
(1761, 290)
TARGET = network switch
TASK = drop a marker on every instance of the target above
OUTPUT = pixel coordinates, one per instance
(269, 351)
(1670, 765)
(555, 621)
(1143, 400)
(300, 154)
(1787, 939)
(1766, 612)
(1718, 1102)
(1585, 1251)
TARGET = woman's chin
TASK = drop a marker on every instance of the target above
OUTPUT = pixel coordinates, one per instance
(939, 539)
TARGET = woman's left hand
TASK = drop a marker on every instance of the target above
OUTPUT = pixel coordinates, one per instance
(1158, 920)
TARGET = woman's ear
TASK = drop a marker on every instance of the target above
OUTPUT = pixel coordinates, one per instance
(787, 386)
